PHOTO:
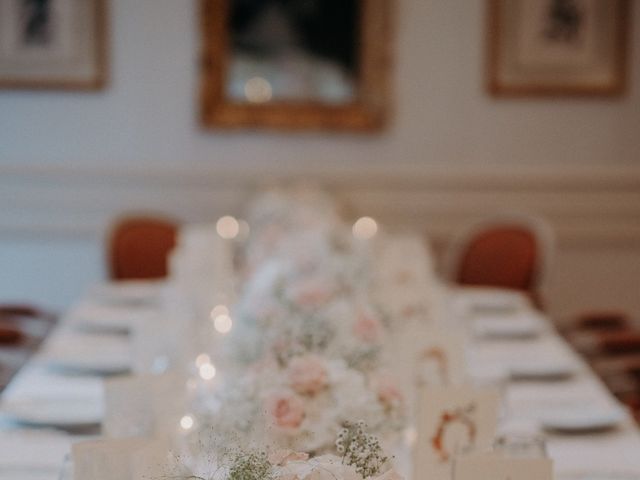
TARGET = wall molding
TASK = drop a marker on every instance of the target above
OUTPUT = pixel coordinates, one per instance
(587, 205)
(504, 176)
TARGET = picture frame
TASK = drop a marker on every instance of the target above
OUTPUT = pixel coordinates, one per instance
(557, 47)
(53, 44)
(368, 111)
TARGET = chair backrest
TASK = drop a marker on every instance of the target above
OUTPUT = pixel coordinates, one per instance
(139, 247)
(509, 251)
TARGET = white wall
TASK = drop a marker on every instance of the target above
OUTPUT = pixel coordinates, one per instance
(70, 161)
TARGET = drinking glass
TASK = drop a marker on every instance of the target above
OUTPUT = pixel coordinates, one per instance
(521, 445)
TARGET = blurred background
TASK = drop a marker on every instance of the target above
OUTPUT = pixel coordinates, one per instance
(72, 162)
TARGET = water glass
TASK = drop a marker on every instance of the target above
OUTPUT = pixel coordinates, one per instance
(521, 445)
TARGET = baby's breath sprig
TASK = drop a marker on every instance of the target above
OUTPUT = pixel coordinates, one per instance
(250, 466)
(360, 450)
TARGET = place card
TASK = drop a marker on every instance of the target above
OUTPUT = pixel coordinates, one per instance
(142, 405)
(440, 358)
(452, 421)
(157, 460)
(403, 278)
(107, 459)
(425, 355)
(492, 466)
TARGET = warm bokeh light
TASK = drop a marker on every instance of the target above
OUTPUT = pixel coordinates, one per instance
(186, 422)
(207, 371)
(218, 310)
(227, 227)
(223, 323)
(202, 359)
(365, 227)
(258, 90)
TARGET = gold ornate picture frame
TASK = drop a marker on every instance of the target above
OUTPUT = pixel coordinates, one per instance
(53, 44)
(557, 47)
(368, 110)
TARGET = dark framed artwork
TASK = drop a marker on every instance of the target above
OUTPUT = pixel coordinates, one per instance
(53, 44)
(557, 47)
(295, 64)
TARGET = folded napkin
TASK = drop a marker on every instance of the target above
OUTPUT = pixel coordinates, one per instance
(122, 459)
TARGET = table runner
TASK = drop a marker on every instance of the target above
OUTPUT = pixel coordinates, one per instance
(29, 453)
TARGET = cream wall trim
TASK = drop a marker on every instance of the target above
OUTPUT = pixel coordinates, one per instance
(590, 205)
(338, 173)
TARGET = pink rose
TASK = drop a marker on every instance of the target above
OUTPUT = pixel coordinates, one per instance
(286, 410)
(388, 392)
(307, 375)
(311, 293)
(367, 328)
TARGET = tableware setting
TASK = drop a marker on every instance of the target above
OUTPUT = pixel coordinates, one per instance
(67, 413)
(515, 325)
(93, 364)
(52, 446)
(469, 301)
(582, 420)
(599, 475)
(87, 354)
(541, 370)
(127, 293)
(520, 445)
(290, 353)
(97, 317)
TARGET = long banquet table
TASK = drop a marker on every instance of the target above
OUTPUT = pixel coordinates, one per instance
(31, 453)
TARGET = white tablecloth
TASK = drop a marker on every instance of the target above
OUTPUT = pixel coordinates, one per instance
(29, 453)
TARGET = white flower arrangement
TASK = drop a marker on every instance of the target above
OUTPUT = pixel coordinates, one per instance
(315, 261)
(303, 405)
(314, 300)
(308, 343)
(358, 456)
(277, 214)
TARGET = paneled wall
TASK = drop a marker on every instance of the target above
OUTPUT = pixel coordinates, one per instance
(71, 162)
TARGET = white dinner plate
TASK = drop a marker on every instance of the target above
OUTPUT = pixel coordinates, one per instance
(128, 293)
(507, 327)
(582, 420)
(540, 370)
(95, 364)
(94, 317)
(87, 353)
(481, 300)
(59, 412)
(603, 475)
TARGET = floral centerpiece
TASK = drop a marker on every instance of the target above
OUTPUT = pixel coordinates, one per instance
(278, 213)
(315, 299)
(303, 402)
(357, 455)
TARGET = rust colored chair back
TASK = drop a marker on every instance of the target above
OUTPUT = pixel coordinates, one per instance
(139, 248)
(509, 251)
(502, 257)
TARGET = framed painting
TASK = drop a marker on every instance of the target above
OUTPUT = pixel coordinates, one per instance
(557, 47)
(295, 64)
(53, 44)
